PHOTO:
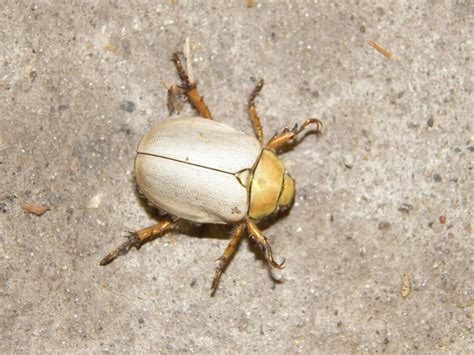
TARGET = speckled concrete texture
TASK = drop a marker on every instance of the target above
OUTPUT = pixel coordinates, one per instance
(386, 190)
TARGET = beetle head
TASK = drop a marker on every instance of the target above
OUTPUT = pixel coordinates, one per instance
(287, 193)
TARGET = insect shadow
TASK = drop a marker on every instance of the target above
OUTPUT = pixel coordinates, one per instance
(215, 231)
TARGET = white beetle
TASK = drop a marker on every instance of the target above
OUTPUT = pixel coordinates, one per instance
(204, 171)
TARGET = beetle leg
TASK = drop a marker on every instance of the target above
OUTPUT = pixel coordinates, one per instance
(256, 234)
(252, 110)
(284, 137)
(138, 238)
(190, 89)
(229, 251)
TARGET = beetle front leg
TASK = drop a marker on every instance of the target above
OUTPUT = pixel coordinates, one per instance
(252, 110)
(190, 89)
(138, 238)
(229, 251)
(278, 140)
(256, 234)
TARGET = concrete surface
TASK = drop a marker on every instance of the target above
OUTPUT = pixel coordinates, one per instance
(386, 190)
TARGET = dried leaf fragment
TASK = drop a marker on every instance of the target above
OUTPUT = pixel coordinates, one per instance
(405, 291)
(34, 208)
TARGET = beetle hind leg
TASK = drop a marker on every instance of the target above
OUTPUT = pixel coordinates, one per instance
(189, 88)
(257, 235)
(252, 110)
(229, 251)
(138, 238)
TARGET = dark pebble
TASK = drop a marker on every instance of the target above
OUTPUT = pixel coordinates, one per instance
(383, 226)
(430, 122)
(128, 106)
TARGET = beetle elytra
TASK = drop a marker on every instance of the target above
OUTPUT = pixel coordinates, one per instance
(200, 170)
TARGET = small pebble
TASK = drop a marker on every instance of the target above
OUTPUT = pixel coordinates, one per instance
(405, 208)
(348, 161)
(95, 201)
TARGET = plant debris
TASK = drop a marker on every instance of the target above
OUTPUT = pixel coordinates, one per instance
(35, 208)
(405, 291)
(386, 53)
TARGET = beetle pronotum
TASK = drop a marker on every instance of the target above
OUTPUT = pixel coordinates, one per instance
(204, 171)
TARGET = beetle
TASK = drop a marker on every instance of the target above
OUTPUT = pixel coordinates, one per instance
(204, 171)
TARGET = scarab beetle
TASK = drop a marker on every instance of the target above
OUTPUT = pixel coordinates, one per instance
(204, 171)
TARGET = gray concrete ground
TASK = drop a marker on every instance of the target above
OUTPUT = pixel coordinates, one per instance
(386, 190)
